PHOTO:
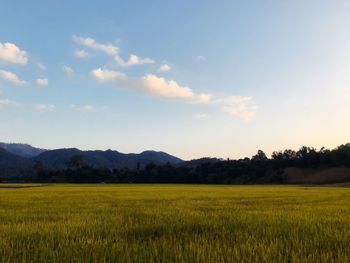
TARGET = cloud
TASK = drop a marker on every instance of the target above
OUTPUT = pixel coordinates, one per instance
(107, 48)
(42, 82)
(68, 71)
(7, 102)
(45, 107)
(150, 84)
(164, 68)
(133, 61)
(239, 106)
(13, 78)
(83, 108)
(82, 54)
(108, 76)
(110, 50)
(171, 90)
(10, 53)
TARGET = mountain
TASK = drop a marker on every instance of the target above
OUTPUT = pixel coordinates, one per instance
(60, 158)
(20, 149)
(160, 157)
(18, 159)
(12, 165)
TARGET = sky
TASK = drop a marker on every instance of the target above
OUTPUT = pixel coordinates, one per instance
(192, 78)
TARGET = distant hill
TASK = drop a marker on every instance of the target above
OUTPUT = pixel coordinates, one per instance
(12, 165)
(18, 159)
(20, 149)
(59, 159)
(305, 166)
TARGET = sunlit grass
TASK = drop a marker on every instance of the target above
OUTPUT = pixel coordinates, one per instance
(181, 223)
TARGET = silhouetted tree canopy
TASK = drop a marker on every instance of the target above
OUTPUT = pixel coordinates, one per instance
(258, 169)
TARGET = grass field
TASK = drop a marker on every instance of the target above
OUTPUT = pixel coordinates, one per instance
(175, 223)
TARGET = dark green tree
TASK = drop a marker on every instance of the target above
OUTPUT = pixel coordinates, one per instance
(76, 162)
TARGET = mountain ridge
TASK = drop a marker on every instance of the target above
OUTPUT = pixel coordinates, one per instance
(20, 160)
(22, 149)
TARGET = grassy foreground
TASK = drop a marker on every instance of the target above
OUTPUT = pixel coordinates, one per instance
(175, 223)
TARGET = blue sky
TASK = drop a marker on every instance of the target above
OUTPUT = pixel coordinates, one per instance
(192, 78)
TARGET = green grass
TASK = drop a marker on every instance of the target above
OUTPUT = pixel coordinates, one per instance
(175, 223)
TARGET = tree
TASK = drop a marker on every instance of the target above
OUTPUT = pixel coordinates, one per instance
(76, 161)
(260, 156)
(138, 166)
(39, 167)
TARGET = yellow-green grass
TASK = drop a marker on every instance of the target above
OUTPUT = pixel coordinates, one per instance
(174, 223)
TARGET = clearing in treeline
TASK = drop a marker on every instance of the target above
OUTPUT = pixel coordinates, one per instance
(174, 223)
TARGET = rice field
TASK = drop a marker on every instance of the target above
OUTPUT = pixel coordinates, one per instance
(174, 223)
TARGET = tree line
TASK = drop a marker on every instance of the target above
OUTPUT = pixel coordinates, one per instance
(257, 169)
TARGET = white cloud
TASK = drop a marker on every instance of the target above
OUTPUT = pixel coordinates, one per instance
(239, 106)
(171, 90)
(83, 108)
(45, 107)
(68, 71)
(13, 78)
(107, 48)
(42, 82)
(150, 84)
(7, 102)
(10, 53)
(201, 58)
(133, 61)
(108, 76)
(164, 68)
(202, 116)
(81, 53)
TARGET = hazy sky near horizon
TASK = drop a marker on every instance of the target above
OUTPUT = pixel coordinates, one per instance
(192, 78)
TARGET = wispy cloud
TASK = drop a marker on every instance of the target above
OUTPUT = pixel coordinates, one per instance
(10, 53)
(239, 106)
(133, 61)
(107, 48)
(12, 78)
(164, 68)
(82, 108)
(81, 53)
(68, 71)
(45, 107)
(151, 84)
(108, 76)
(7, 102)
(42, 82)
(171, 90)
